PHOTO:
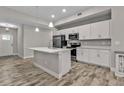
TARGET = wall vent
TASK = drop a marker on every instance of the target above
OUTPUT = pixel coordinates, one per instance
(79, 14)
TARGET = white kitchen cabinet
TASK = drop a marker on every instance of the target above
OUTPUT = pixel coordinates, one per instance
(100, 30)
(104, 57)
(84, 32)
(99, 57)
(82, 55)
(94, 56)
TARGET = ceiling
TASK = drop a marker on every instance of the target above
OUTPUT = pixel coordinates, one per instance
(44, 12)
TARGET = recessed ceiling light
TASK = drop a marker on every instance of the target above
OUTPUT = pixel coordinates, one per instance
(53, 16)
(63, 10)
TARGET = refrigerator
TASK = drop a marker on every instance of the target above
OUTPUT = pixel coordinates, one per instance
(59, 41)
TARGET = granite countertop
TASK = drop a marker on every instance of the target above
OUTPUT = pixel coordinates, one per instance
(49, 50)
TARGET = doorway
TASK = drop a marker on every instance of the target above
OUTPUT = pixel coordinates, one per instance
(6, 43)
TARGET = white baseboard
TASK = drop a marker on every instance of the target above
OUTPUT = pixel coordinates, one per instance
(28, 57)
(14, 54)
(20, 56)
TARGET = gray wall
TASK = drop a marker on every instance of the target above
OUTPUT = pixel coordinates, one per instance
(117, 31)
(20, 41)
(35, 39)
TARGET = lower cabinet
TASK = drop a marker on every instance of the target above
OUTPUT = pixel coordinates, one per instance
(94, 56)
(82, 55)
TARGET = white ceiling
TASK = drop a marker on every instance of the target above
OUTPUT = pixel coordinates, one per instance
(44, 12)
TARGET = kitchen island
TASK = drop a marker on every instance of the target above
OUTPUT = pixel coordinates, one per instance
(55, 61)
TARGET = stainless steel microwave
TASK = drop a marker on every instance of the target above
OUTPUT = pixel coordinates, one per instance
(74, 36)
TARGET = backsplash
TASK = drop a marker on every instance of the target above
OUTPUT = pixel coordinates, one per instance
(105, 42)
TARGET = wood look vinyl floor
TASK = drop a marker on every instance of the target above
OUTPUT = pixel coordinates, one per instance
(15, 71)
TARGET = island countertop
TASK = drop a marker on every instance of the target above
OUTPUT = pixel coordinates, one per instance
(49, 50)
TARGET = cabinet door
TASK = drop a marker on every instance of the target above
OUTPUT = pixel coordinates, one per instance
(100, 30)
(93, 56)
(104, 58)
(84, 32)
(78, 54)
(82, 55)
(99, 57)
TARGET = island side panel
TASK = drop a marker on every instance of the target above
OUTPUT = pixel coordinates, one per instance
(65, 62)
(48, 62)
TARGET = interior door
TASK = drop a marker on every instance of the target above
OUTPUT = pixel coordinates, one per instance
(6, 41)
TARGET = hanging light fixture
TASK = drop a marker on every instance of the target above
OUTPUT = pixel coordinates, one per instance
(6, 28)
(37, 29)
(51, 24)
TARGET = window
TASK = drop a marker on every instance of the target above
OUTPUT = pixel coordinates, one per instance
(6, 37)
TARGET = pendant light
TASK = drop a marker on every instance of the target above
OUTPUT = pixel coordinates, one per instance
(37, 29)
(51, 24)
(6, 28)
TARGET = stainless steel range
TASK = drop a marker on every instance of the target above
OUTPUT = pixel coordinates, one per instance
(73, 44)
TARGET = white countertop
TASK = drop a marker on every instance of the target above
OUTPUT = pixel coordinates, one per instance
(49, 50)
(96, 47)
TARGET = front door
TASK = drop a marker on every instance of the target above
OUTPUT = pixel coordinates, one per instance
(6, 41)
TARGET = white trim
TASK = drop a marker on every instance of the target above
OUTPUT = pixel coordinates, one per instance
(20, 55)
(15, 54)
(58, 76)
(28, 57)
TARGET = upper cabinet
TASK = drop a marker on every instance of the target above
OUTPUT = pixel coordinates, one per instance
(100, 30)
(84, 32)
